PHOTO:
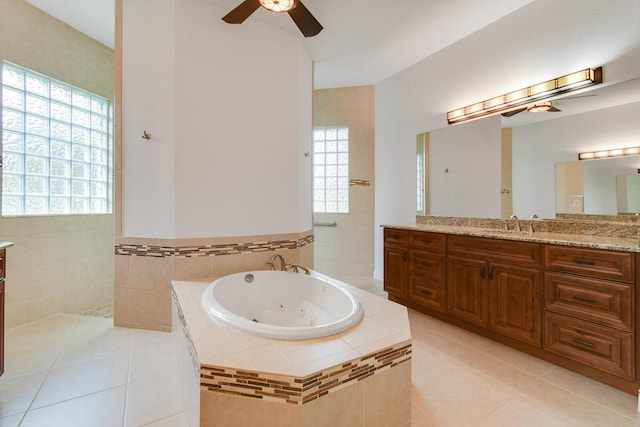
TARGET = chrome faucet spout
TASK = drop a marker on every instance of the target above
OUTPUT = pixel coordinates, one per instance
(533, 217)
(517, 226)
(296, 269)
(273, 259)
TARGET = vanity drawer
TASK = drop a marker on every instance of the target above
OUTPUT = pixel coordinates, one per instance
(428, 294)
(428, 265)
(601, 301)
(525, 254)
(600, 347)
(393, 236)
(590, 262)
(427, 241)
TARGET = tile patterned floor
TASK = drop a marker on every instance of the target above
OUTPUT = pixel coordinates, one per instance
(72, 370)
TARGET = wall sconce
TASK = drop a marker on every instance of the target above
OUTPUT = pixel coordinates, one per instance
(518, 98)
(604, 154)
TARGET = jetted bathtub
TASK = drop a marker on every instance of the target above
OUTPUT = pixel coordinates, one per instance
(282, 304)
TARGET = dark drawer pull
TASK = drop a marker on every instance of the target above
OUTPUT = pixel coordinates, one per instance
(583, 261)
(584, 299)
(426, 264)
(425, 293)
(584, 343)
(426, 240)
(394, 236)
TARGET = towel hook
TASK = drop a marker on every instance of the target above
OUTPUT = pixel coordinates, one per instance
(146, 135)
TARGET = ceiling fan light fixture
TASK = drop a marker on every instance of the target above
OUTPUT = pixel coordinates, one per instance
(278, 6)
(540, 107)
(522, 97)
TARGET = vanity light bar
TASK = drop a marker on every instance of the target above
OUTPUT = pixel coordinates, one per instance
(570, 82)
(603, 154)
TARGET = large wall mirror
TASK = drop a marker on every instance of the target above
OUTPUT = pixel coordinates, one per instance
(496, 166)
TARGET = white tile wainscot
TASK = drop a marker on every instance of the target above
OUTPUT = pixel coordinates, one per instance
(360, 377)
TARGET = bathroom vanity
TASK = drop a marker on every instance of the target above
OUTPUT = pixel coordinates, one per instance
(3, 263)
(570, 300)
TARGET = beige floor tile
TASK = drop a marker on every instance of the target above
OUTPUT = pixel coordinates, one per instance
(103, 409)
(28, 362)
(97, 340)
(82, 379)
(612, 398)
(178, 420)
(152, 354)
(12, 421)
(17, 393)
(152, 400)
(546, 405)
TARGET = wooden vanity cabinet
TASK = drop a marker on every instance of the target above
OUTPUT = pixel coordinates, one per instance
(395, 262)
(589, 308)
(572, 306)
(488, 286)
(2, 276)
(427, 269)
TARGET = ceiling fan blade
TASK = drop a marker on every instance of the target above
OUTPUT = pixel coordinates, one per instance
(553, 110)
(513, 112)
(306, 22)
(241, 12)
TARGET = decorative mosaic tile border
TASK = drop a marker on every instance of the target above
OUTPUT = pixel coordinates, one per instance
(210, 250)
(299, 391)
(187, 335)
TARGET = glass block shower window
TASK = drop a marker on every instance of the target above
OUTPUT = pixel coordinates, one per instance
(331, 170)
(56, 156)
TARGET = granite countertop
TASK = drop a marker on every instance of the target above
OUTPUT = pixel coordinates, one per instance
(4, 245)
(566, 239)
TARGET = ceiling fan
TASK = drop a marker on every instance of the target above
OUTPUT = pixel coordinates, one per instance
(541, 107)
(306, 22)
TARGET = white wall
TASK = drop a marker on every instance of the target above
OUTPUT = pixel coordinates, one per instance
(230, 126)
(465, 170)
(538, 147)
(148, 91)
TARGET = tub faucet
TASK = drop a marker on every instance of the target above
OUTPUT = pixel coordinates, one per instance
(273, 259)
(297, 267)
(517, 226)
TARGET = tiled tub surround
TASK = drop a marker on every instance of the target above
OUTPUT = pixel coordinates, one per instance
(144, 269)
(361, 377)
(622, 236)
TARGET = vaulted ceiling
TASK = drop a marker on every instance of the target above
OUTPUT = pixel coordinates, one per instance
(367, 41)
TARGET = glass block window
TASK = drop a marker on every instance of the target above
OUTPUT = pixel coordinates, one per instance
(331, 170)
(56, 147)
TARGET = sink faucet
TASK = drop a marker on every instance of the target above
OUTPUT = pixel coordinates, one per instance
(273, 259)
(517, 226)
(533, 217)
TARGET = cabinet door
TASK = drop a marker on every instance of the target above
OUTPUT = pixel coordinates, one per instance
(1, 325)
(467, 289)
(395, 271)
(514, 302)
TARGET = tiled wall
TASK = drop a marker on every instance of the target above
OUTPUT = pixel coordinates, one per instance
(58, 264)
(347, 250)
(146, 267)
(378, 400)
